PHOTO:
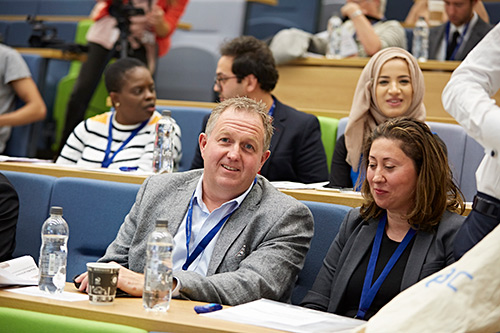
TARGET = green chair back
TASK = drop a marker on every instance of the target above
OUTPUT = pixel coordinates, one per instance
(17, 320)
(328, 128)
(97, 104)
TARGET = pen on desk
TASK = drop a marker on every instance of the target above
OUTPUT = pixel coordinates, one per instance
(123, 168)
(207, 308)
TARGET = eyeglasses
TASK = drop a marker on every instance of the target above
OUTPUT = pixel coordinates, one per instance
(218, 80)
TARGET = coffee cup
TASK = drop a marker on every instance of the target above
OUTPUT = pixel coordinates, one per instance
(103, 278)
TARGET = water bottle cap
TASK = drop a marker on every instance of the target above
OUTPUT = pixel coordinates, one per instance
(166, 113)
(161, 223)
(56, 210)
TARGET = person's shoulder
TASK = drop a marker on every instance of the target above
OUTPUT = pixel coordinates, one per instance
(292, 112)
(391, 23)
(450, 221)
(175, 178)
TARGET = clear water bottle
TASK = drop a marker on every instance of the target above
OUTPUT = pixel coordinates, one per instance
(53, 253)
(333, 47)
(163, 156)
(157, 291)
(420, 46)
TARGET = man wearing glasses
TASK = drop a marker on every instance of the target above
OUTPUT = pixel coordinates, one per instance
(247, 68)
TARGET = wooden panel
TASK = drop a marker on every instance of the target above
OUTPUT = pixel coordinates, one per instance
(325, 84)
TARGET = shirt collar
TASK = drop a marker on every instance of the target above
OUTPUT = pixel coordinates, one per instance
(198, 195)
(461, 28)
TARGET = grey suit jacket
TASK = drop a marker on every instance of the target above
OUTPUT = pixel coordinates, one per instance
(437, 34)
(430, 253)
(260, 249)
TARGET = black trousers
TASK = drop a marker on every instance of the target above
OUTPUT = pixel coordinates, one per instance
(90, 74)
(475, 227)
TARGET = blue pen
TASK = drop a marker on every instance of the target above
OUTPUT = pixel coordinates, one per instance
(207, 308)
(129, 168)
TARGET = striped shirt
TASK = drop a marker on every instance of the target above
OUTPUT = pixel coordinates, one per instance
(86, 146)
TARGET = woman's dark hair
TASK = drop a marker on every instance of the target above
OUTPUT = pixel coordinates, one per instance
(115, 73)
(435, 191)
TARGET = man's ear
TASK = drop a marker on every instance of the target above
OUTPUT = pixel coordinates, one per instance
(264, 158)
(202, 141)
(252, 83)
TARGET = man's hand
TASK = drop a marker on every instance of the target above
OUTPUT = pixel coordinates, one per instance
(349, 8)
(128, 281)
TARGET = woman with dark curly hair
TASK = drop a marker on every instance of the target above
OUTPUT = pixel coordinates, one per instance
(403, 232)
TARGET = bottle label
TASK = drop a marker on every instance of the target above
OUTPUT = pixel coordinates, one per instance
(53, 264)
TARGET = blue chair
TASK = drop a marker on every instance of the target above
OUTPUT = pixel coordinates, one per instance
(190, 120)
(65, 7)
(23, 139)
(90, 202)
(186, 72)
(19, 7)
(327, 221)
(264, 21)
(454, 137)
(473, 156)
(397, 9)
(493, 9)
(34, 193)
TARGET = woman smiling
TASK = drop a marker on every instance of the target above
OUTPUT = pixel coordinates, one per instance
(402, 233)
(391, 85)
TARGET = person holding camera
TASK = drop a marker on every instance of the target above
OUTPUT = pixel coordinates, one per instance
(147, 26)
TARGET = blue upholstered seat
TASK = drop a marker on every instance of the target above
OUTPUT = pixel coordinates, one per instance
(327, 220)
(34, 193)
(94, 210)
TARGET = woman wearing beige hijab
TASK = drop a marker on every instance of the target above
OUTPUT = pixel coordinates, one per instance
(391, 85)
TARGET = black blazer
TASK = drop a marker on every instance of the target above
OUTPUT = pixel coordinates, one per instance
(297, 152)
(430, 253)
(9, 210)
(437, 34)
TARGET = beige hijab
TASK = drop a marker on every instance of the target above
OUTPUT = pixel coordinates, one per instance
(365, 114)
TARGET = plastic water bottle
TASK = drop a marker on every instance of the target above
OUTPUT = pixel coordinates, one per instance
(163, 157)
(53, 253)
(420, 46)
(157, 291)
(333, 47)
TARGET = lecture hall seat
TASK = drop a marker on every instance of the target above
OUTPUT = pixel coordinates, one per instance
(327, 220)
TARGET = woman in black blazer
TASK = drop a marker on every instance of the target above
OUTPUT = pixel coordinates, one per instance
(404, 230)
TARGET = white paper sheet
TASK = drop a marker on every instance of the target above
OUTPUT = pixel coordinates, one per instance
(19, 271)
(297, 186)
(286, 317)
(64, 296)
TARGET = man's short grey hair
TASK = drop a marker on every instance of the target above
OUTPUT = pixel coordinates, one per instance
(243, 104)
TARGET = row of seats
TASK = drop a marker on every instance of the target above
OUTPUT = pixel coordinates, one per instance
(95, 209)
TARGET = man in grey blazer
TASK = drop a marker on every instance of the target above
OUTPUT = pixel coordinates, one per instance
(260, 248)
(454, 39)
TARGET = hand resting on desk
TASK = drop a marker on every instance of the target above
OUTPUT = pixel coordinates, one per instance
(128, 281)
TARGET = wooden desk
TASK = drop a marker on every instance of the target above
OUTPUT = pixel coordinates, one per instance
(65, 171)
(351, 200)
(128, 311)
(328, 84)
(53, 53)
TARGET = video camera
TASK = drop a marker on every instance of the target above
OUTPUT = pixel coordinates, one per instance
(43, 35)
(123, 11)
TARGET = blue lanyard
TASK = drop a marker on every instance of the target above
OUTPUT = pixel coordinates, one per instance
(459, 41)
(271, 110)
(109, 159)
(368, 293)
(208, 237)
